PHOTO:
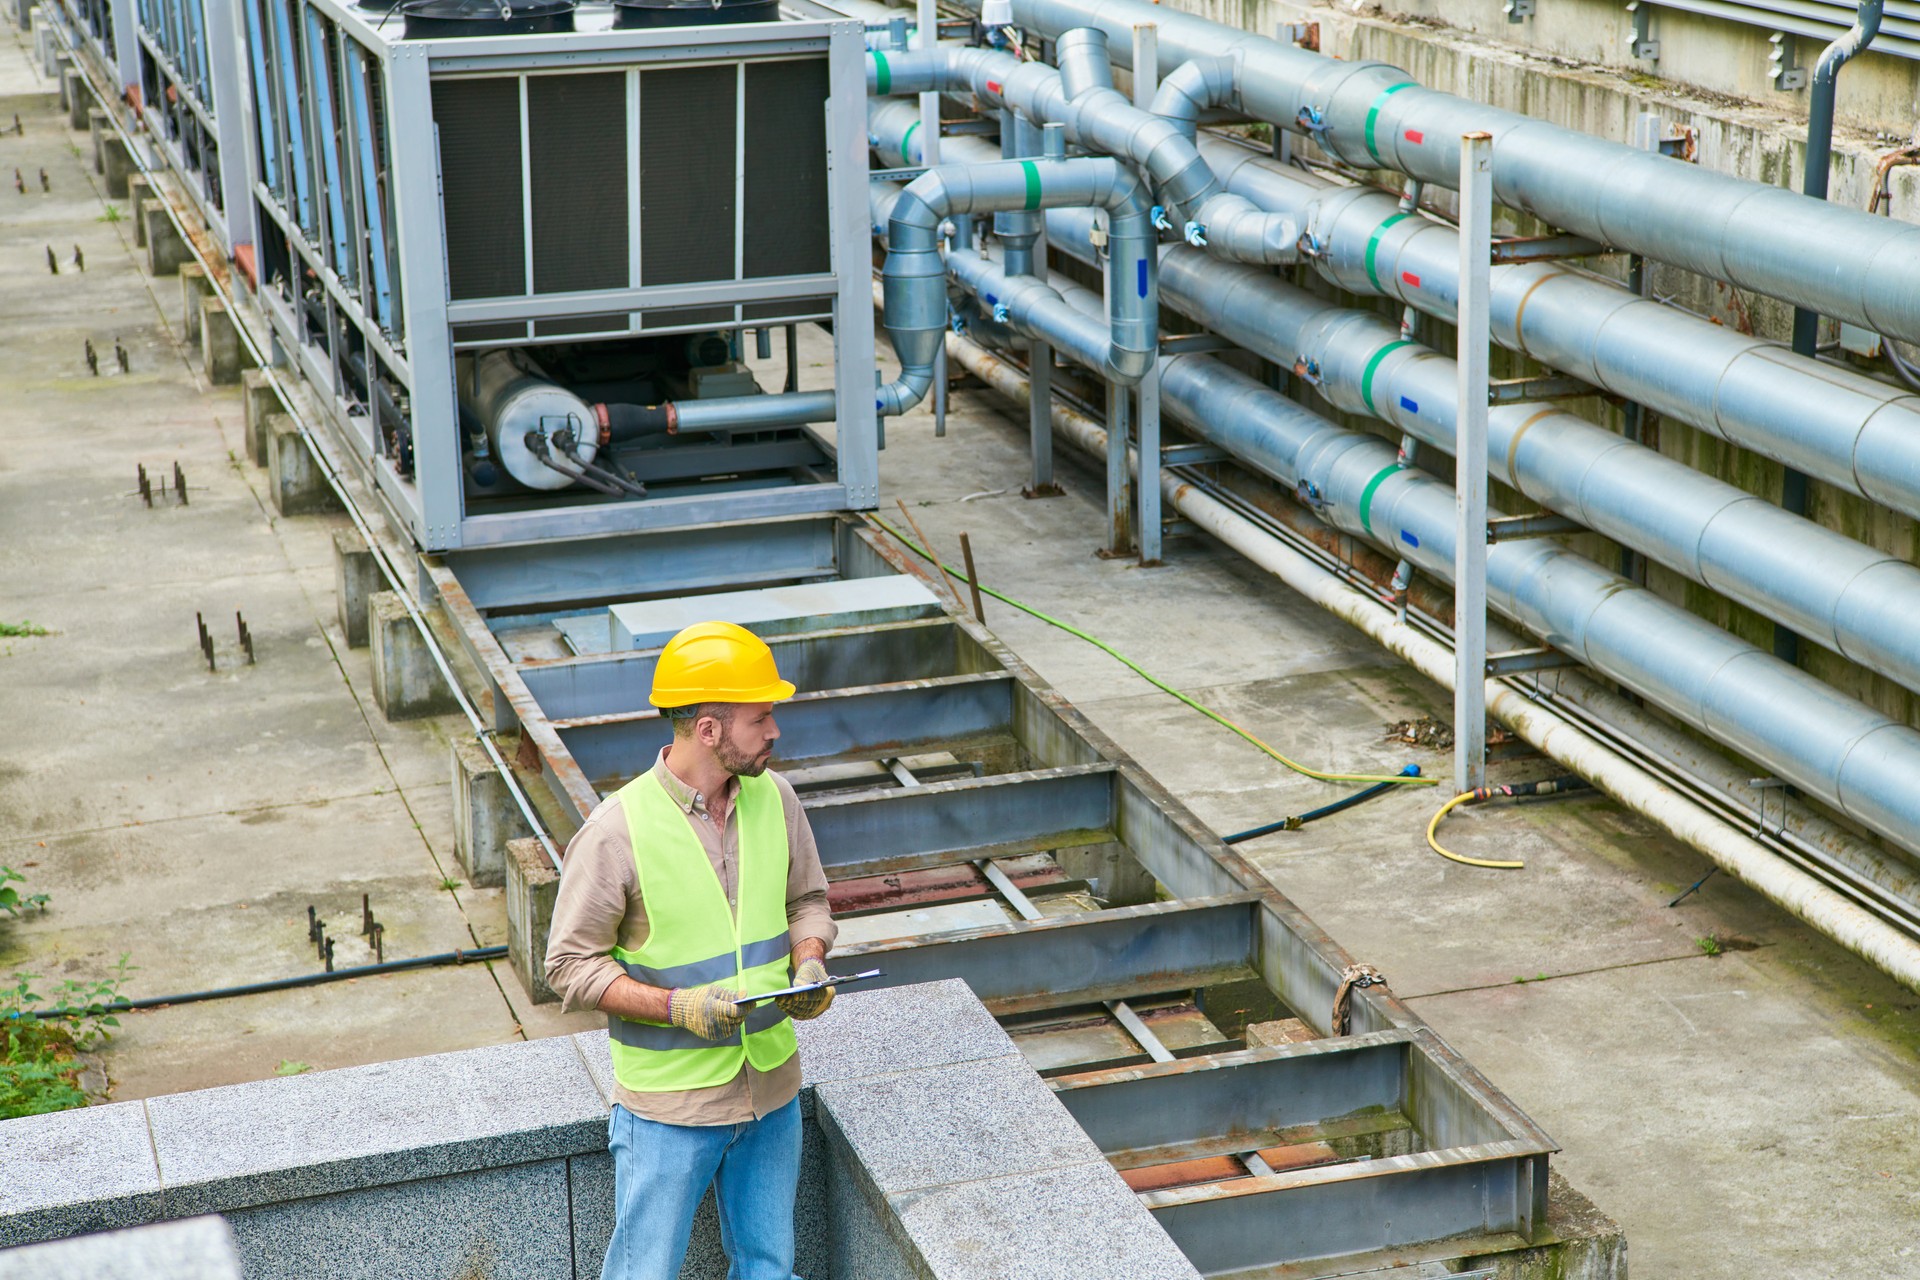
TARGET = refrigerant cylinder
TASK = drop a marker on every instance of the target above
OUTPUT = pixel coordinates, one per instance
(519, 411)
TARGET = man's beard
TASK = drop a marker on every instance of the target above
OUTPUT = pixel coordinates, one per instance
(739, 763)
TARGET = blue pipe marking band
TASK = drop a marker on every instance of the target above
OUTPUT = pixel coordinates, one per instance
(1033, 183)
(1143, 277)
(1409, 405)
(1373, 116)
(1366, 494)
(1373, 365)
(883, 75)
(1373, 247)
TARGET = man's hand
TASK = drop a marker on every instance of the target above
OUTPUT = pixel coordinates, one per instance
(708, 1012)
(807, 1004)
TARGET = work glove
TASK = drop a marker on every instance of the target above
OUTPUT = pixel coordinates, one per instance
(807, 1004)
(708, 1012)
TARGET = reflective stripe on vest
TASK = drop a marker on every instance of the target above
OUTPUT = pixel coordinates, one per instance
(695, 938)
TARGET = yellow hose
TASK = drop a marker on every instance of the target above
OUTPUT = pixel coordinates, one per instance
(1398, 779)
(1462, 858)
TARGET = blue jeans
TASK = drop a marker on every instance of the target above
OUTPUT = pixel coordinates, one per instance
(661, 1173)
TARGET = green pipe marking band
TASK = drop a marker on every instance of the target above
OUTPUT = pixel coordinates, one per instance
(906, 156)
(1366, 378)
(1366, 494)
(1373, 247)
(883, 76)
(1033, 183)
(1373, 113)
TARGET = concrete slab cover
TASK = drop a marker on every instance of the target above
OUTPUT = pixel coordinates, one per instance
(197, 1249)
(777, 611)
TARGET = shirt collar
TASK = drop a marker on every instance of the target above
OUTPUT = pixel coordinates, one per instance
(689, 800)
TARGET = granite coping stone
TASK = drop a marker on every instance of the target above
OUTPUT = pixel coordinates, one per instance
(281, 1139)
(1071, 1223)
(954, 1123)
(193, 1249)
(76, 1171)
(868, 1033)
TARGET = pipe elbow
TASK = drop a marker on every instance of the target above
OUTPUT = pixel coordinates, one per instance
(904, 392)
(1242, 232)
(1127, 366)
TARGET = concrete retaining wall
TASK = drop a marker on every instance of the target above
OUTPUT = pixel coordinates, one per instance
(932, 1150)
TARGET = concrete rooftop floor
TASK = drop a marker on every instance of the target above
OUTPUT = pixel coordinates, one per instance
(183, 817)
(1747, 1114)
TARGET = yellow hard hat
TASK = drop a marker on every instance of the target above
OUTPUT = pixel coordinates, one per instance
(716, 662)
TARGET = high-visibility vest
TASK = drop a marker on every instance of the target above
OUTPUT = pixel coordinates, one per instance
(694, 938)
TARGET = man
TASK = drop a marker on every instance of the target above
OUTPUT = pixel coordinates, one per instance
(694, 884)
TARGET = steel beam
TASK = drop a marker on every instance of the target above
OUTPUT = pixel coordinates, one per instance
(874, 832)
(1083, 959)
(1470, 466)
(835, 658)
(842, 724)
(654, 563)
(1329, 1211)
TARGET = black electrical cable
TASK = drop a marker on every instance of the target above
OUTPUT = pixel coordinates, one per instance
(281, 984)
(1324, 811)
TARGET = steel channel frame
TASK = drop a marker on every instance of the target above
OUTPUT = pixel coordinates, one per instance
(1226, 924)
(1469, 1152)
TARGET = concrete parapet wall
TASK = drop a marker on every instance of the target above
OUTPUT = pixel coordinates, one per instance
(932, 1150)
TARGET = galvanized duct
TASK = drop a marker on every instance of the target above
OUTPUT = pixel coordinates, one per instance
(1853, 432)
(1833, 748)
(915, 276)
(1837, 261)
(1855, 600)
(1099, 118)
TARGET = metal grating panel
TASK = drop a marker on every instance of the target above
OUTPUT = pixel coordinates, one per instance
(577, 162)
(785, 220)
(787, 308)
(681, 317)
(512, 329)
(688, 117)
(615, 323)
(480, 193)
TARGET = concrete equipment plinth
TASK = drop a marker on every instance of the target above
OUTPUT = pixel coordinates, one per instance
(485, 816)
(195, 289)
(261, 401)
(119, 167)
(532, 887)
(58, 61)
(100, 127)
(166, 246)
(222, 356)
(406, 683)
(139, 191)
(78, 99)
(355, 579)
(294, 475)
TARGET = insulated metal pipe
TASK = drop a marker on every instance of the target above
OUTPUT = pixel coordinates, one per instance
(1833, 748)
(1853, 599)
(915, 275)
(1565, 742)
(1851, 431)
(1101, 119)
(1837, 261)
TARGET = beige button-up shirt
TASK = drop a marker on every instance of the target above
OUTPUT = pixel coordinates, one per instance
(600, 906)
